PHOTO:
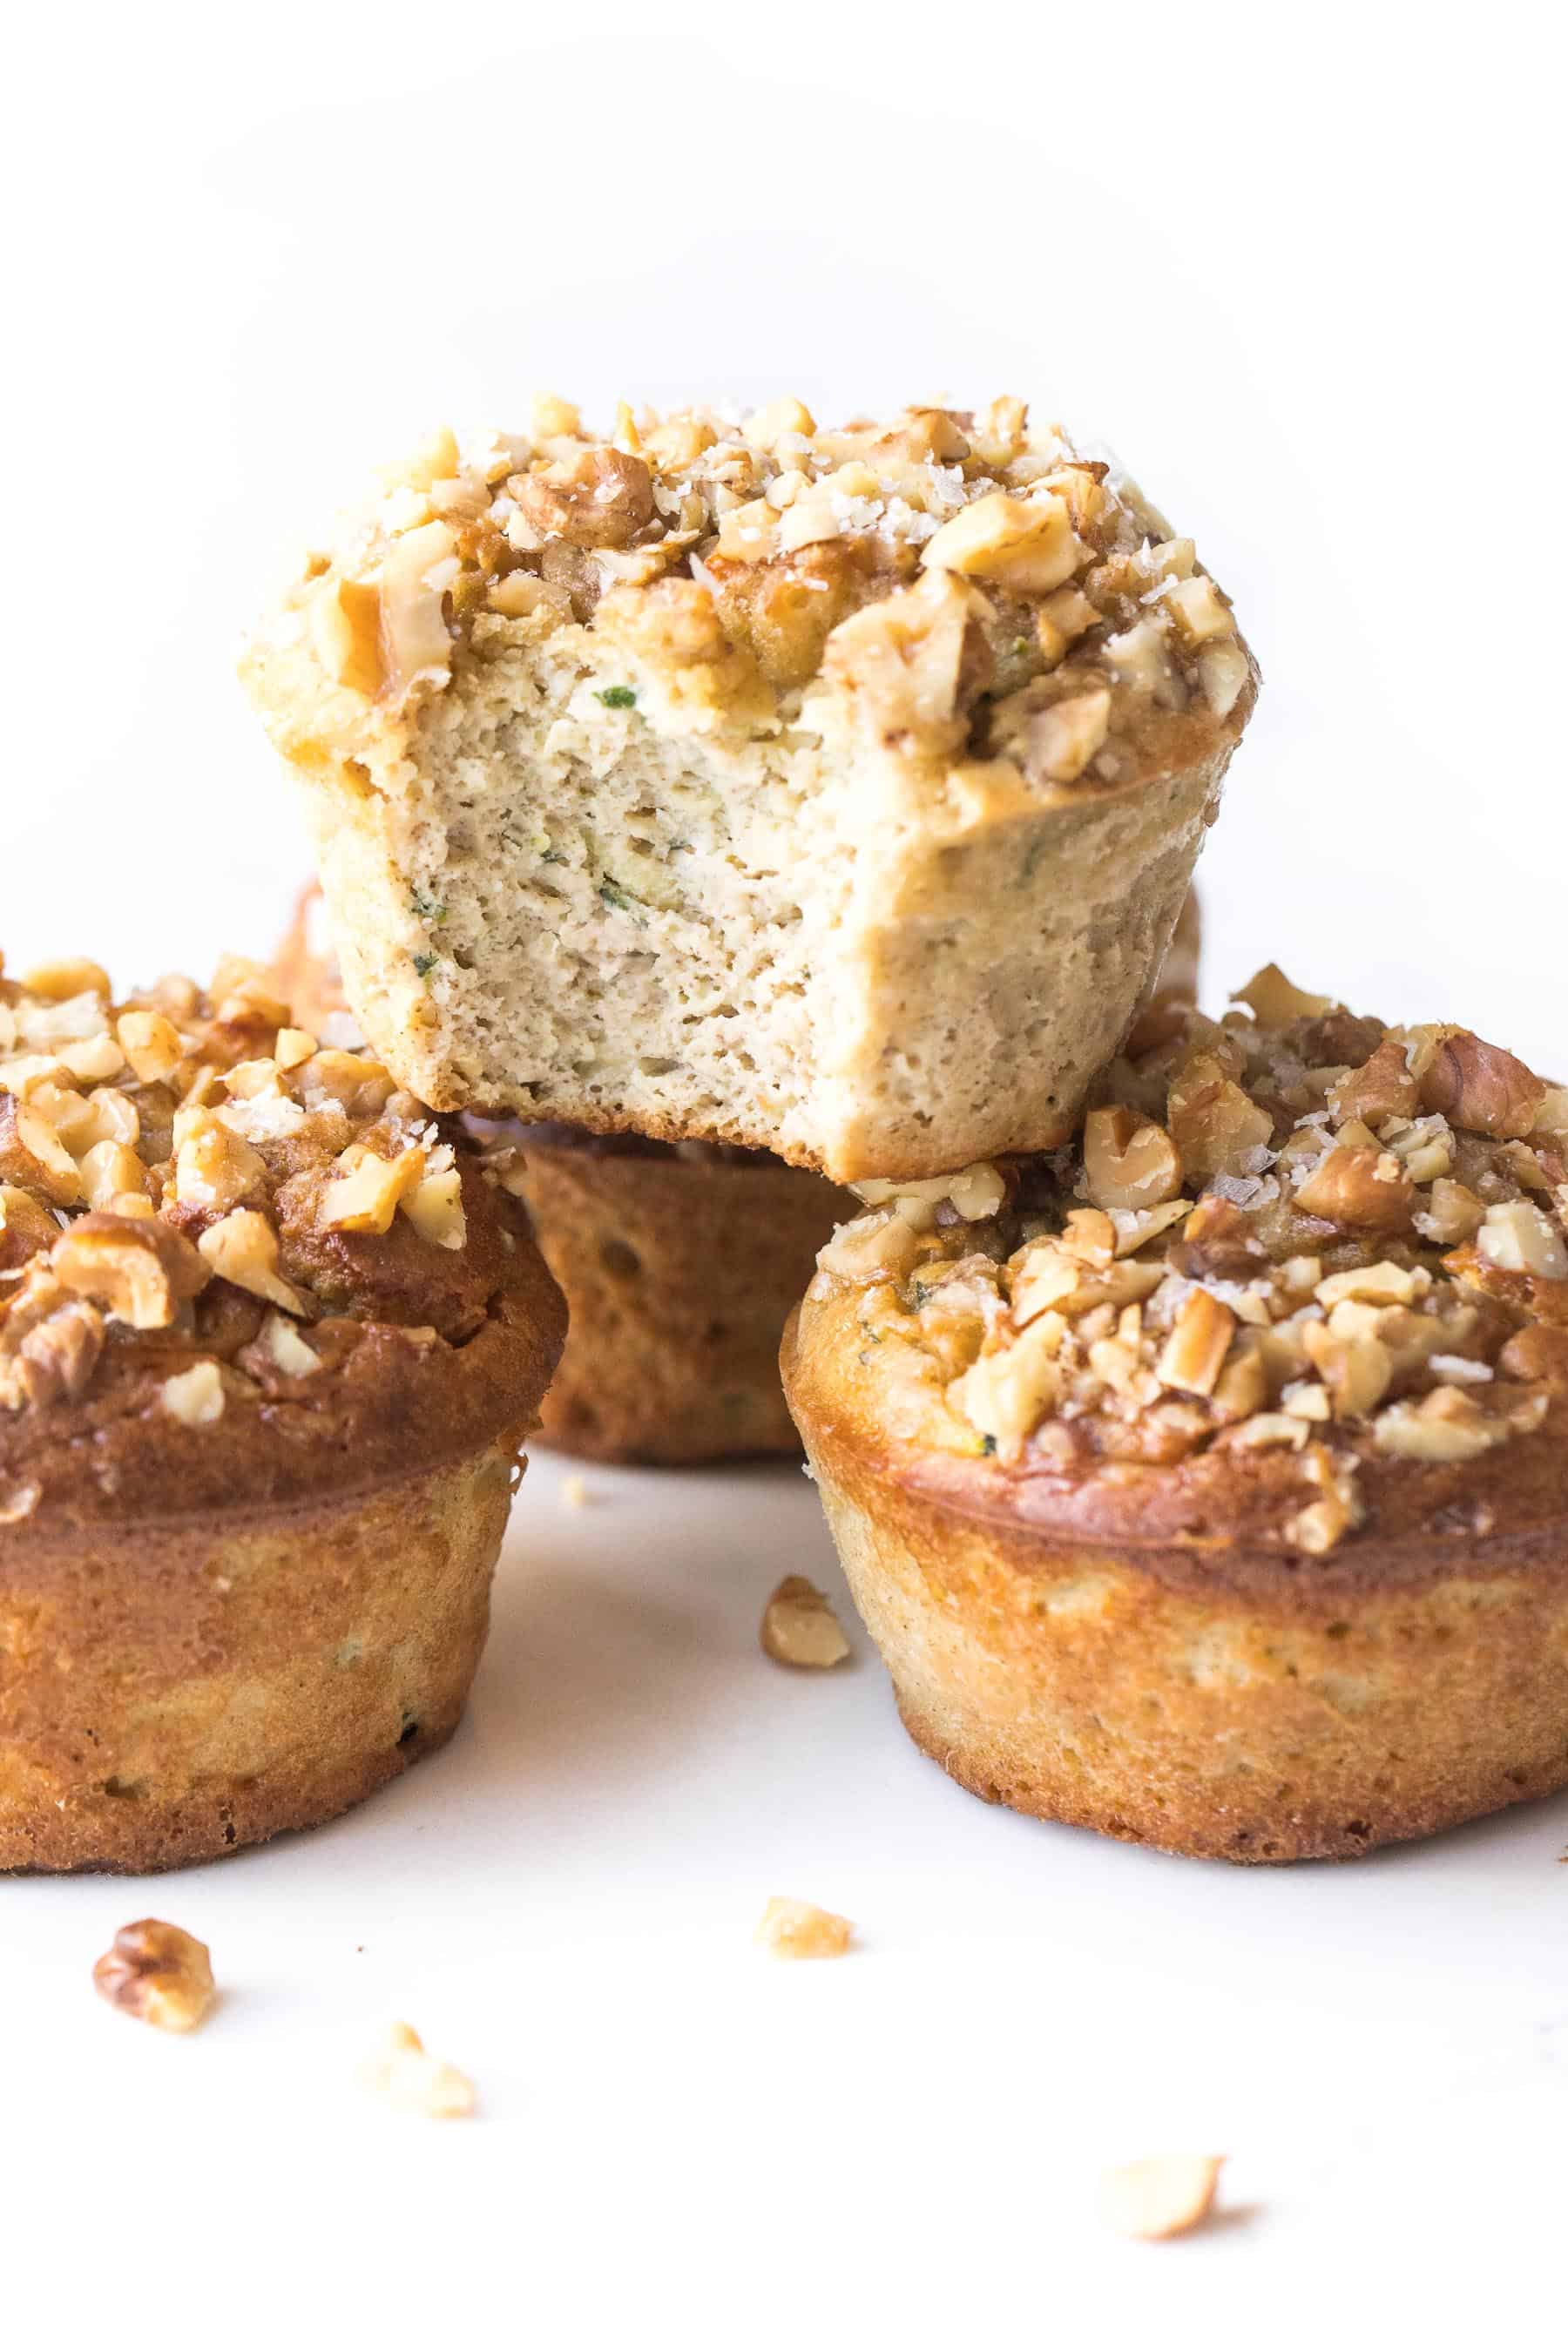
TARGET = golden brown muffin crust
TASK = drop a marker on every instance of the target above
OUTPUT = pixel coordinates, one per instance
(1296, 1302)
(238, 1268)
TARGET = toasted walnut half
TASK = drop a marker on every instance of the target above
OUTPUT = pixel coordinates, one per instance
(1477, 1086)
(159, 1974)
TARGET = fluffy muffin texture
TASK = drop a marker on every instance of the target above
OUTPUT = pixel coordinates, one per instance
(1203, 1483)
(269, 1344)
(680, 1264)
(831, 792)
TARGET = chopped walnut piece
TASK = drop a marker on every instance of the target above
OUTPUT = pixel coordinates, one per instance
(194, 1397)
(58, 1357)
(435, 1209)
(1452, 1213)
(1160, 2196)
(26, 1228)
(1276, 1000)
(1383, 1087)
(1197, 1345)
(345, 633)
(1061, 741)
(903, 659)
(1214, 1125)
(877, 1248)
(32, 1155)
(799, 1627)
(159, 1974)
(405, 2076)
(1362, 1187)
(366, 1197)
(800, 1931)
(56, 983)
(291, 1355)
(139, 1270)
(1382, 1284)
(243, 1248)
(415, 640)
(1480, 1087)
(1027, 546)
(1129, 1162)
(602, 498)
(108, 1171)
(1446, 1425)
(1198, 613)
(1522, 1239)
(1003, 1394)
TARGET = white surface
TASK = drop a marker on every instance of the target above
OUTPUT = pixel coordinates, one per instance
(685, 2139)
(1303, 271)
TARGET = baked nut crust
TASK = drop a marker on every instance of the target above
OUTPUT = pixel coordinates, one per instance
(255, 1460)
(832, 792)
(1225, 1525)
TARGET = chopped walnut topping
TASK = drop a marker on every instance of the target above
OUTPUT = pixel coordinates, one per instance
(799, 1628)
(1160, 2196)
(194, 1397)
(1332, 1291)
(159, 1974)
(403, 2075)
(1028, 605)
(800, 1931)
(243, 1248)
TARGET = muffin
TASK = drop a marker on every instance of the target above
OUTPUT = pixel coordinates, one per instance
(680, 1264)
(271, 1341)
(826, 792)
(1205, 1483)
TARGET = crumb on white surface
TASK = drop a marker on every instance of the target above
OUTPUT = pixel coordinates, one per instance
(1160, 2196)
(801, 1931)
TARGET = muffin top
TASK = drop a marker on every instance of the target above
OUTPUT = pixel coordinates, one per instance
(1301, 1281)
(237, 1266)
(954, 582)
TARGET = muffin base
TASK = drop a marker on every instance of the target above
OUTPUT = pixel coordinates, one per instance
(678, 1277)
(169, 1693)
(1077, 1683)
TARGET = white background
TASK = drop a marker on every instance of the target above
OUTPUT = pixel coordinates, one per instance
(1303, 269)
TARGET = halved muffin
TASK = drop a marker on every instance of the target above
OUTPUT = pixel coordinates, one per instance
(832, 792)
(1206, 1483)
(270, 1342)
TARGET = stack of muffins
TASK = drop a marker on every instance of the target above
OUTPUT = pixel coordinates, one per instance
(743, 845)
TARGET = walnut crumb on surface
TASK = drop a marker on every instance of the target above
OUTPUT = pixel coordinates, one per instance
(159, 1974)
(800, 1931)
(799, 1627)
(1160, 2196)
(403, 2074)
(576, 1492)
